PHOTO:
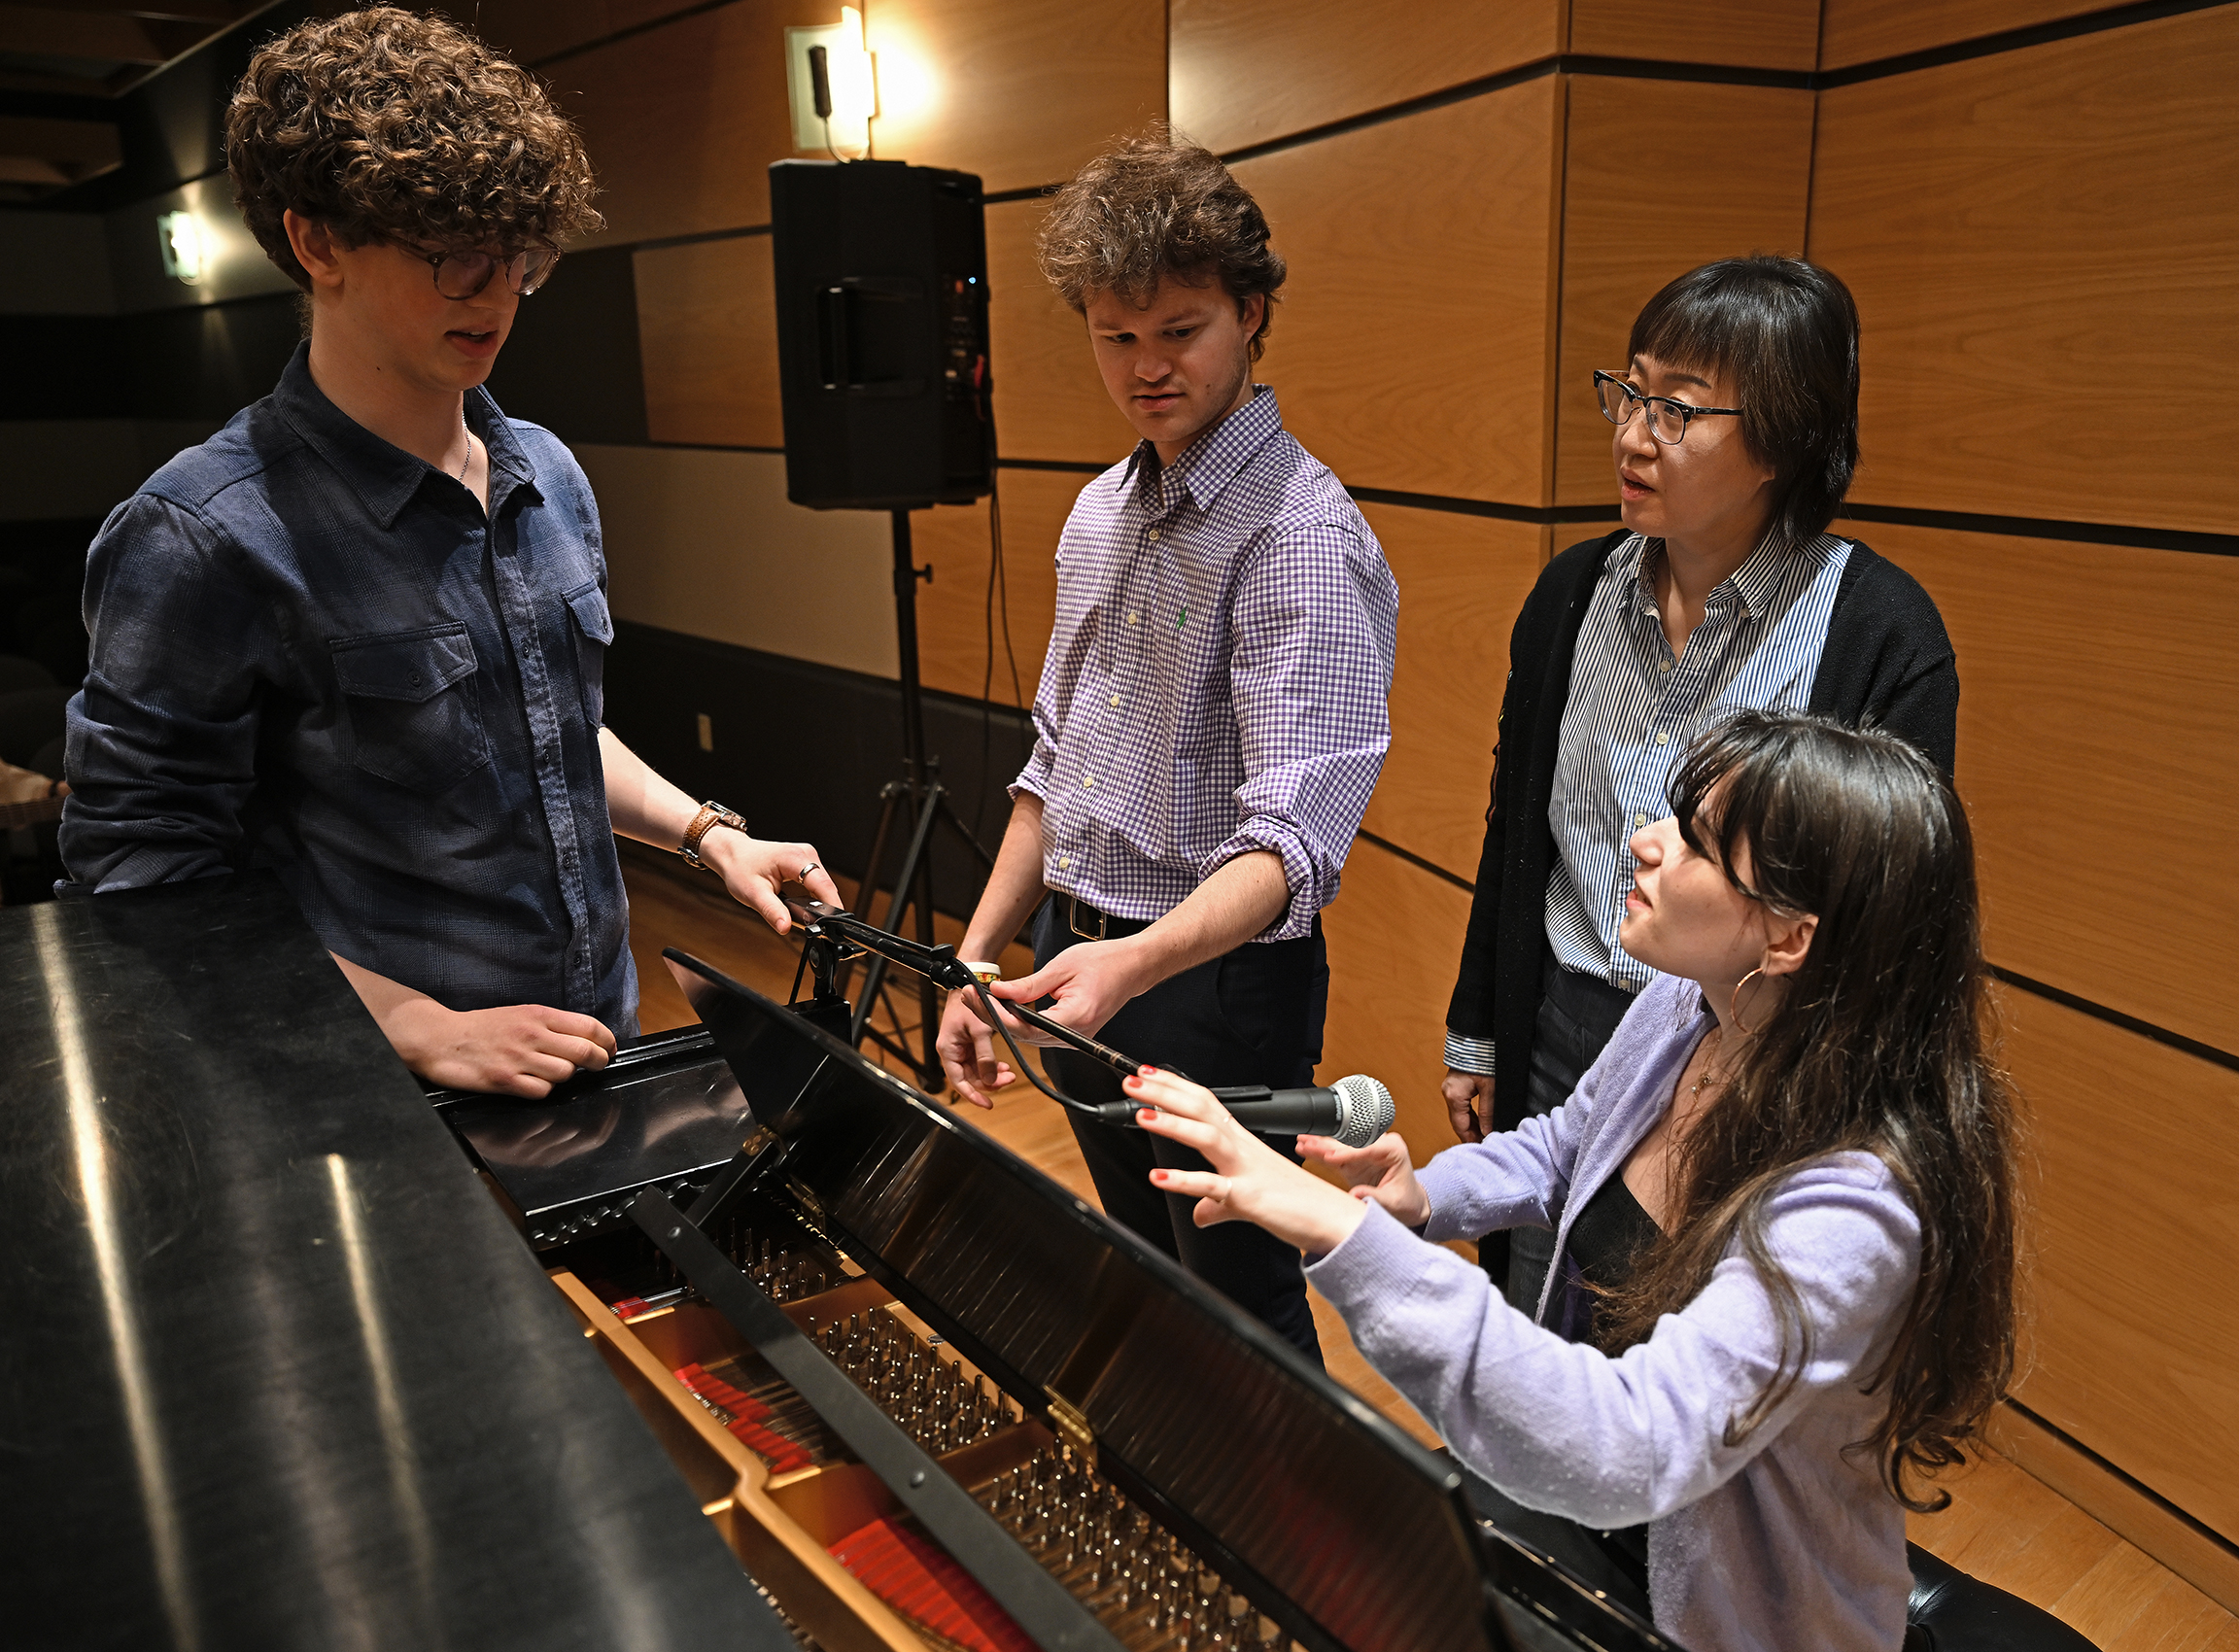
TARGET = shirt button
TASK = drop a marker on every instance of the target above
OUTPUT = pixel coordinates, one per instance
(1639, 820)
(1089, 780)
(1130, 616)
(1065, 861)
(1662, 737)
(1114, 702)
(1665, 666)
(1153, 536)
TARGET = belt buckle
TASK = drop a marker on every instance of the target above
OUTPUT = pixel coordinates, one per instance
(1073, 919)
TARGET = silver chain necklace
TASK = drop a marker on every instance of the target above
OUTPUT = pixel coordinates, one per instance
(469, 435)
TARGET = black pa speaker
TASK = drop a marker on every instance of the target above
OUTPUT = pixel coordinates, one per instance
(881, 273)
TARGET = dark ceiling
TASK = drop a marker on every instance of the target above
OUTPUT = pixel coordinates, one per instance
(80, 50)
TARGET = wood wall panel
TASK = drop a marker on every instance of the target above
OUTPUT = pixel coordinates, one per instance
(1244, 71)
(2134, 1344)
(2043, 244)
(952, 610)
(1395, 935)
(1411, 345)
(531, 31)
(1461, 581)
(1744, 189)
(1863, 31)
(1023, 92)
(2098, 715)
(1049, 404)
(1757, 34)
(707, 334)
(706, 543)
(683, 121)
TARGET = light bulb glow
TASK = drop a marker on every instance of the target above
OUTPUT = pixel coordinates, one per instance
(850, 76)
(180, 234)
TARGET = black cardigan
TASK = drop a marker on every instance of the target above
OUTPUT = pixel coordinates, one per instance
(1886, 662)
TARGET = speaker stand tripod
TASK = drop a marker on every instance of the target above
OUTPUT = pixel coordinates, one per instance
(909, 810)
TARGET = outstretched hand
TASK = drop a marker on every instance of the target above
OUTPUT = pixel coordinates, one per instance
(1250, 1181)
(1379, 1171)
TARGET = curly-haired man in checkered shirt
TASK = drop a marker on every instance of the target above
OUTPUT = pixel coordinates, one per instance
(1211, 716)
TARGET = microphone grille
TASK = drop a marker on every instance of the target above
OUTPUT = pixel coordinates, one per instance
(1365, 1109)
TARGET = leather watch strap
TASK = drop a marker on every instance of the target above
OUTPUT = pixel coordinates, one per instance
(711, 815)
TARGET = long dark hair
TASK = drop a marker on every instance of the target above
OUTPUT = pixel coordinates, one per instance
(1878, 1045)
(1786, 331)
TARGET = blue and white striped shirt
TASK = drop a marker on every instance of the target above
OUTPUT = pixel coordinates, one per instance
(1634, 707)
(1216, 674)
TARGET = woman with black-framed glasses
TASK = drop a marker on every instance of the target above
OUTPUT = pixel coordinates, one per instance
(1735, 438)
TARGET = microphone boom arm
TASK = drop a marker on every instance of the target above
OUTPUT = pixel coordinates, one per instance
(850, 935)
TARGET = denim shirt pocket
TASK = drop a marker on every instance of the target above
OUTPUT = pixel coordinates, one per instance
(594, 633)
(413, 713)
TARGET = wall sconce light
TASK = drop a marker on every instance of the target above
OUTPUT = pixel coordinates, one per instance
(179, 234)
(827, 69)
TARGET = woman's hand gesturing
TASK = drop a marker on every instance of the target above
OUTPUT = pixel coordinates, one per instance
(1250, 1181)
(1379, 1171)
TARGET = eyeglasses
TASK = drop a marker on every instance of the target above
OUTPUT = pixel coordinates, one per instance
(463, 275)
(1667, 418)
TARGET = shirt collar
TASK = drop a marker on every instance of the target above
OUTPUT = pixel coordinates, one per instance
(1211, 463)
(386, 478)
(1754, 584)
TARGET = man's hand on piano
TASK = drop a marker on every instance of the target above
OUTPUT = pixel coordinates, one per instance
(518, 1050)
(1250, 1181)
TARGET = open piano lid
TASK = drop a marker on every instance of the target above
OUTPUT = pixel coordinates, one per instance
(1293, 1477)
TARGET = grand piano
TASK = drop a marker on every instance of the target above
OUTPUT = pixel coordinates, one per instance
(739, 1341)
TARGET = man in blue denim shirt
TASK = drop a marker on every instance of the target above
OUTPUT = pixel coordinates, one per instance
(358, 636)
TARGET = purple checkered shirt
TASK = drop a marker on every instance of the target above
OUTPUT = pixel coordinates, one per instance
(1217, 675)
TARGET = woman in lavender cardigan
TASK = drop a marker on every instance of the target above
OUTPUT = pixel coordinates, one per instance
(1782, 1202)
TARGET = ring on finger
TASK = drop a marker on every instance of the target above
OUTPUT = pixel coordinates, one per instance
(802, 877)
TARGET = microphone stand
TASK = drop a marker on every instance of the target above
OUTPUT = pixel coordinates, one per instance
(830, 938)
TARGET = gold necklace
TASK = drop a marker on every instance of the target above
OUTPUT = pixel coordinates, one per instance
(1710, 1065)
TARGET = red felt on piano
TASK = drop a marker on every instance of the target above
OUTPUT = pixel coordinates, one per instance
(913, 1574)
(746, 1414)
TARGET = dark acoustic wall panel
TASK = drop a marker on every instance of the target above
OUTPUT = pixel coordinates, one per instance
(208, 362)
(42, 575)
(803, 749)
(572, 362)
(62, 367)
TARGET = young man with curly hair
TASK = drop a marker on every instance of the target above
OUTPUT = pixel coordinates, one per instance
(1211, 716)
(358, 636)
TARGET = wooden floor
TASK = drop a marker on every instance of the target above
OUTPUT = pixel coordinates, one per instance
(2002, 1525)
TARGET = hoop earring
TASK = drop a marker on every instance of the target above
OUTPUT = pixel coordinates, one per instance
(1733, 1004)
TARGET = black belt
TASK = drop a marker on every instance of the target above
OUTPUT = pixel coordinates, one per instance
(1090, 924)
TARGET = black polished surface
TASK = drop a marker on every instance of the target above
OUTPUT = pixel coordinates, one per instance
(1269, 1462)
(275, 1372)
(665, 1109)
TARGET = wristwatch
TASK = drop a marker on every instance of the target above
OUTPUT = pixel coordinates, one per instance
(711, 815)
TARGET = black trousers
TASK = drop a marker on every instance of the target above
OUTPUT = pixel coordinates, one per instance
(1577, 1018)
(1252, 1016)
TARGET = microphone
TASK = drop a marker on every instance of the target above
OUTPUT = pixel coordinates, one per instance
(1355, 1110)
